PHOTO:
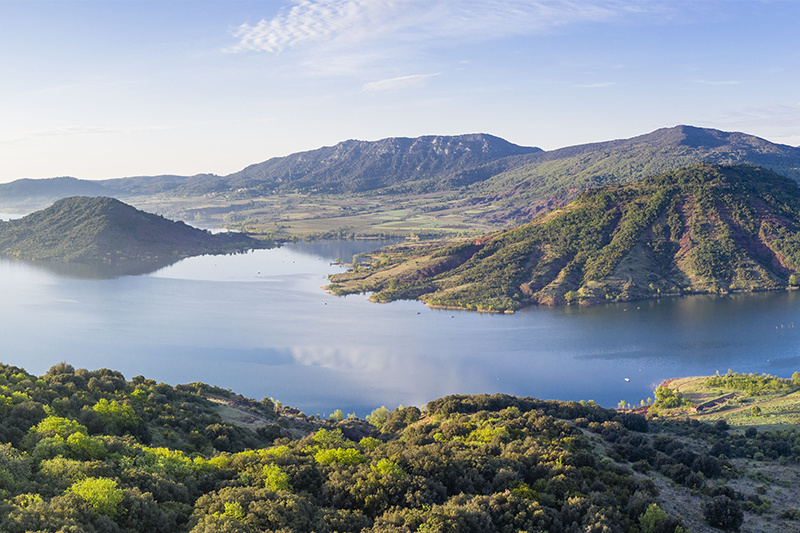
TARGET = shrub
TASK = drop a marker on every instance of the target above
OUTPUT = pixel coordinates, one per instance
(724, 513)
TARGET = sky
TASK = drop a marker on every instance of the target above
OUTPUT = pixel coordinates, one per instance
(101, 89)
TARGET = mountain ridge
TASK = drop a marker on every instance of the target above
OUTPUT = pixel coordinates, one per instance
(476, 182)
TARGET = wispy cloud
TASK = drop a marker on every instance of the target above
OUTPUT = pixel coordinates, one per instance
(395, 84)
(720, 82)
(73, 131)
(357, 21)
(596, 85)
(775, 121)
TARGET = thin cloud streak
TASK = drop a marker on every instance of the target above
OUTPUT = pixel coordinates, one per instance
(394, 84)
(596, 85)
(725, 82)
(70, 132)
(357, 21)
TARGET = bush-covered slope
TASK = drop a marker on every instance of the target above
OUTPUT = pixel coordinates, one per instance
(89, 451)
(704, 228)
(83, 229)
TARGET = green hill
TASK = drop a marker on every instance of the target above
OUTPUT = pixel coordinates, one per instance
(704, 228)
(99, 229)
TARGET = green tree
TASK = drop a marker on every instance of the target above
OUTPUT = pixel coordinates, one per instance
(275, 478)
(118, 415)
(102, 494)
(378, 416)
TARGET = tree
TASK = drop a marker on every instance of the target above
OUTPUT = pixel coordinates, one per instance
(100, 493)
(378, 416)
(275, 478)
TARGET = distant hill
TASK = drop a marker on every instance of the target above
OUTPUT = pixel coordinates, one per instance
(489, 182)
(354, 166)
(704, 228)
(99, 229)
(548, 179)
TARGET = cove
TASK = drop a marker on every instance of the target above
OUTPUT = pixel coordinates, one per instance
(259, 324)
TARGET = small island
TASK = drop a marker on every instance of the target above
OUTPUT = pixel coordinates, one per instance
(100, 230)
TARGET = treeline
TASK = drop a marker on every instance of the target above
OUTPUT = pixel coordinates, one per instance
(753, 384)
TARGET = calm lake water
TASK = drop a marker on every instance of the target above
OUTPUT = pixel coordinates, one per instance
(259, 324)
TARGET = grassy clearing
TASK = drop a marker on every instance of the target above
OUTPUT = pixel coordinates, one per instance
(296, 215)
(763, 409)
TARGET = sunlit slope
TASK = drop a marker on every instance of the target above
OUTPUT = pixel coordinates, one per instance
(83, 229)
(703, 228)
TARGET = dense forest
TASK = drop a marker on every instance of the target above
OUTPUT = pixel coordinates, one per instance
(701, 229)
(89, 451)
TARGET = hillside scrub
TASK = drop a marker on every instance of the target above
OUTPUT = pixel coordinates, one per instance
(701, 229)
(464, 463)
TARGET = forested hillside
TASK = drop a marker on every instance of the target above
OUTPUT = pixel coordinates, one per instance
(704, 228)
(89, 451)
(98, 229)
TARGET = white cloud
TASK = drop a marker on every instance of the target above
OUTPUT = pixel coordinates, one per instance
(357, 21)
(394, 84)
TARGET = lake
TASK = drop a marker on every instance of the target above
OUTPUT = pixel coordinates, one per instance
(259, 324)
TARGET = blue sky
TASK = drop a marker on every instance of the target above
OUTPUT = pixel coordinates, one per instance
(112, 88)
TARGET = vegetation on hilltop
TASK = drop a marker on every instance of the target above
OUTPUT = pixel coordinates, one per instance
(89, 451)
(705, 228)
(92, 230)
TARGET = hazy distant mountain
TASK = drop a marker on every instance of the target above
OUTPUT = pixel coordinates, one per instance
(84, 229)
(510, 183)
(51, 189)
(354, 166)
(703, 228)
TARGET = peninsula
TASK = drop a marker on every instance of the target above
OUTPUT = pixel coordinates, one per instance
(705, 228)
(104, 230)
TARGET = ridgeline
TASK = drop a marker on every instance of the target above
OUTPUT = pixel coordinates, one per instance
(430, 185)
(701, 229)
(105, 230)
